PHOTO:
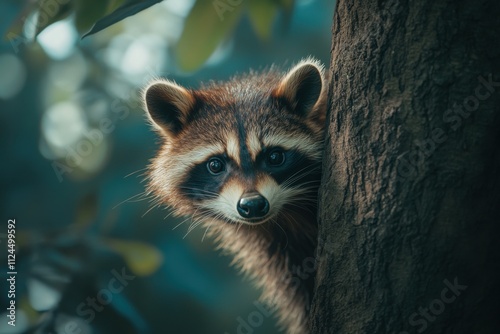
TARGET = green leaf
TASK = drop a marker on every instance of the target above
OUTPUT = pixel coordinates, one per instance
(50, 12)
(88, 12)
(262, 14)
(114, 5)
(208, 23)
(129, 8)
(141, 258)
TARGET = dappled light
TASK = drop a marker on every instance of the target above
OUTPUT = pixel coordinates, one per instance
(95, 253)
(58, 40)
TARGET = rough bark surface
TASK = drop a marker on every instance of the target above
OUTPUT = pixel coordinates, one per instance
(410, 198)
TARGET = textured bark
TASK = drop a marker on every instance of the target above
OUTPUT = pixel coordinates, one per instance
(410, 198)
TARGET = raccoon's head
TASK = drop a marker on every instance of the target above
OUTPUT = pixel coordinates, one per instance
(242, 151)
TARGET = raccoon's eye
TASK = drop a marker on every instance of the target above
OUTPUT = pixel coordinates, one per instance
(276, 158)
(215, 166)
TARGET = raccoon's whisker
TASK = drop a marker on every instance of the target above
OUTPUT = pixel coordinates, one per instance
(294, 175)
(303, 208)
(204, 218)
(284, 232)
(144, 179)
(239, 226)
(291, 217)
(154, 203)
(301, 174)
(192, 227)
(302, 202)
(302, 190)
(263, 225)
(298, 201)
(204, 234)
(151, 208)
(193, 187)
(142, 193)
(137, 171)
(169, 214)
(182, 222)
(305, 193)
(199, 190)
(292, 182)
(207, 211)
(187, 233)
(196, 191)
(197, 221)
(304, 198)
(309, 169)
(317, 182)
(176, 226)
(204, 215)
(224, 218)
(193, 216)
(221, 217)
(137, 200)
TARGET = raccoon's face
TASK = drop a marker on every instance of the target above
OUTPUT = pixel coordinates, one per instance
(243, 151)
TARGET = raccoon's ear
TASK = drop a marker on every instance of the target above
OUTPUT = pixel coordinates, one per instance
(168, 106)
(301, 87)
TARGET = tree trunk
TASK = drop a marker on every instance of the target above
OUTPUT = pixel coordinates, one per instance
(410, 198)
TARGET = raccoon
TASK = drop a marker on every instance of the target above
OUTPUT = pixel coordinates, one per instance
(243, 159)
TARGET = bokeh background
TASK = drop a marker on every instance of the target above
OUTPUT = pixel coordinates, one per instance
(93, 254)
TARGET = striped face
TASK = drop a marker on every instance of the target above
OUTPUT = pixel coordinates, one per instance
(240, 152)
(249, 177)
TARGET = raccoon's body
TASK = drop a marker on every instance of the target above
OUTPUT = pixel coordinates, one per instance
(243, 158)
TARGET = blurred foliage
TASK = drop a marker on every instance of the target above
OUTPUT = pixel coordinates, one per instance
(209, 23)
(58, 260)
(141, 258)
(74, 146)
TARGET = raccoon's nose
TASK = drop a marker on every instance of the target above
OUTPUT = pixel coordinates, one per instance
(252, 206)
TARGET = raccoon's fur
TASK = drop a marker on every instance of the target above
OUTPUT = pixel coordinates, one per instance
(243, 159)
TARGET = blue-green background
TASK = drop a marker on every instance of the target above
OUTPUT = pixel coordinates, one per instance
(51, 91)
